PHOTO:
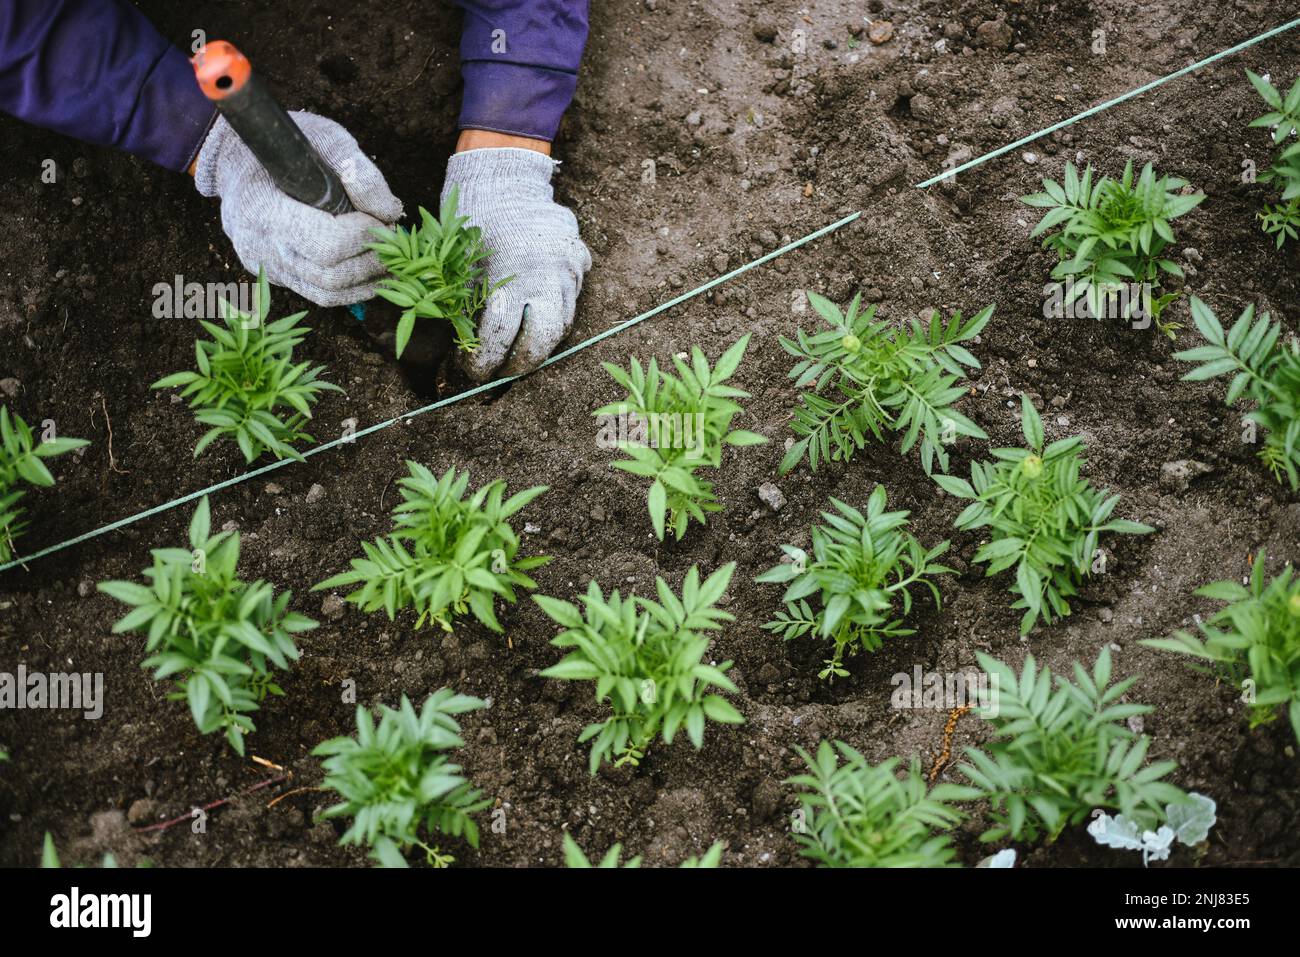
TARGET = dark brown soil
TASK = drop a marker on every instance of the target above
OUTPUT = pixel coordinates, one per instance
(780, 144)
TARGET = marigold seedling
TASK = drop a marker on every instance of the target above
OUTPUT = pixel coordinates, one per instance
(50, 854)
(671, 425)
(247, 386)
(862, 569)
(1042, 517)
(448, 554)
(437, 272)
(50, 857)
(857, 814)
(1112, 234)
(647, 660)
(1254, 641)
(1265, 371)
(21, 458)
(709, 860)
(1282, 221)
(575, 858)
(397, 779)
(215, 636)
(1061, 750)
(863, 376)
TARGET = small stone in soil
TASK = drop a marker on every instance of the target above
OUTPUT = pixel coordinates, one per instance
(766, 799)
(142, 811)
(771, 496)
(332, 607)
(1178, 475)
(993, 33)
(922, 107)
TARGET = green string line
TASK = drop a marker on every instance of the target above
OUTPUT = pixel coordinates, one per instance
(1108, 104)
(441, 403)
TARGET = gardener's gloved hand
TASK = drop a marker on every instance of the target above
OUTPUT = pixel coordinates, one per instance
(506, 192)
(321, 257)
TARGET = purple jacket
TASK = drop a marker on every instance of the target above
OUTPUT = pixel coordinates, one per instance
(99, 71)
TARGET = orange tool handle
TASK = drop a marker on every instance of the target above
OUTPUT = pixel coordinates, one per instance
(227, 79)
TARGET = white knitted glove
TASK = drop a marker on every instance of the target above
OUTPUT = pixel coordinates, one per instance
(506, 192)
(321, 257)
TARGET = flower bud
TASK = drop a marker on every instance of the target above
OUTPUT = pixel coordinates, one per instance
(1032, 466)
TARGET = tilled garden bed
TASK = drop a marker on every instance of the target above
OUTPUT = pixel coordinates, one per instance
(752, 144)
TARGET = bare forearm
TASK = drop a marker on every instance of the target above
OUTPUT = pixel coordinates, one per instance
(486, 139)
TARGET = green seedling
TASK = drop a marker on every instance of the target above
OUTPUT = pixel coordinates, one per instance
(247, 386)
(857, 814)
(50, 854)
(21, 458)
(50, 857)
(397, 778)
(1111, 235)
(862, 568)
(1253, 642)
(1043, 518)
(1281, 221)
(215, 636)
(575, 858)
(437, 272)
(448, 555)
(1061, 750)
(646, 658)
(863, 376)
(1265, 371)
(671, 425)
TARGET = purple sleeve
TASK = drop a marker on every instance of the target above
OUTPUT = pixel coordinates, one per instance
(520, 62)
(99, 71)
